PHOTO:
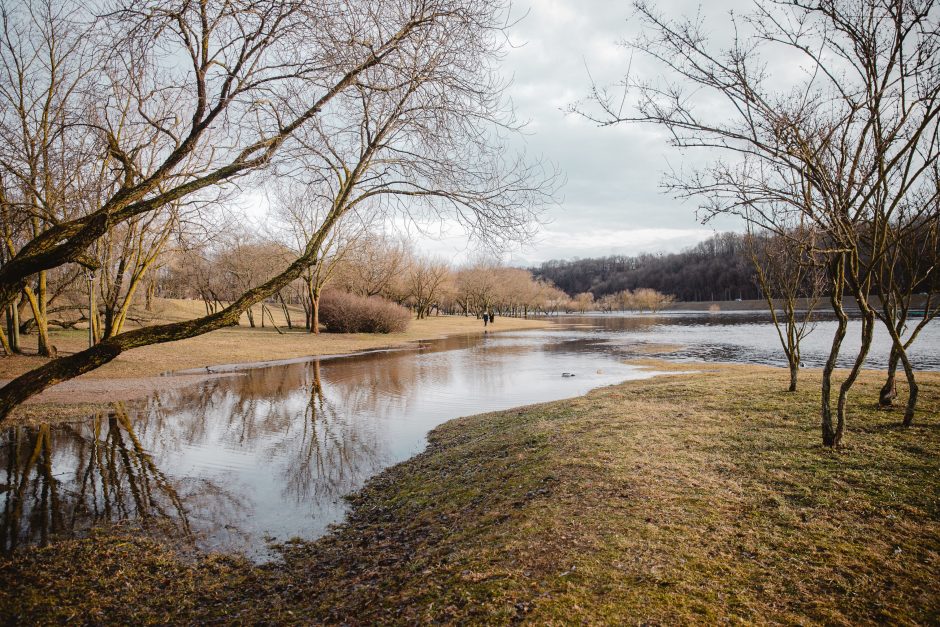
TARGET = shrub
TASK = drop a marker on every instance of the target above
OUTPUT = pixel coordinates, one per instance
(342, 312)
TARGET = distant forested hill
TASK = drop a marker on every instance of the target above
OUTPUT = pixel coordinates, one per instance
(716, 269)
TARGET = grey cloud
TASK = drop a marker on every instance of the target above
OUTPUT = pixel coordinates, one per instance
(613, 174)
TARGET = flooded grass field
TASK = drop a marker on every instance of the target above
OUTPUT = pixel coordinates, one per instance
(268, 453)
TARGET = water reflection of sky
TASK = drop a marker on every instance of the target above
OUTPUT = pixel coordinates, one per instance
(270, 452)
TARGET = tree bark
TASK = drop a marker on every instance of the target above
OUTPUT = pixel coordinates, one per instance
(37, 303)
(912, 391)
(13, 328)
(5, 343)
(868, 327)
(794, 374)
(315, 313)
(889, 390)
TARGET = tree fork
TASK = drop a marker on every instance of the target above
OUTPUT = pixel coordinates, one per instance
(889, 390)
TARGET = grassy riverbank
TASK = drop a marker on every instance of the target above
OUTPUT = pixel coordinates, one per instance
(686, 498)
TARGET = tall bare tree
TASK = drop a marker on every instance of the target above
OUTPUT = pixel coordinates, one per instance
(255, 72)
(390, 107)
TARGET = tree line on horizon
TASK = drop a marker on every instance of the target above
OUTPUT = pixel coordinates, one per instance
(718, 268)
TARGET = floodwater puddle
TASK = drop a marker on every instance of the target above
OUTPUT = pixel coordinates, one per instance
(236, 462)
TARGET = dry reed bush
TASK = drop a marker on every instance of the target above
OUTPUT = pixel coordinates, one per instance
(342, 312)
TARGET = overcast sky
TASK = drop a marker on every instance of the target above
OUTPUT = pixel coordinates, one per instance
(612, 202)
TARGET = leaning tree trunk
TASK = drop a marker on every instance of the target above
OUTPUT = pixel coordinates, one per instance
(868, 328)
(290, 324)
(899, 351)
(120, 317)
(71, 366)
(37, 304)
(832, 436)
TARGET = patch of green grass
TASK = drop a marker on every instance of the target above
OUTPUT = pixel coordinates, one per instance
(693, 498)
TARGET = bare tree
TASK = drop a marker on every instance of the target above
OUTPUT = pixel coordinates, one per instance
(370, 268)
(584, 301)
(477, 286)
(38, 176)
(300, 213)
(256, 72)
(792, 282)
(124, 256)
(427, 280)
(646, 299)
(908, 288)
(841, 147)
(246, 262)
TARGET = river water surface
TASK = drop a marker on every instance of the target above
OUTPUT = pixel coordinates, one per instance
(268, 453)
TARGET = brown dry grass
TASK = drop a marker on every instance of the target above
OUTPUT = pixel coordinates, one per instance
(684, 499)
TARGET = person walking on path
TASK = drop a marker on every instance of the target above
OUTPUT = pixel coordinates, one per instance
(486, 318)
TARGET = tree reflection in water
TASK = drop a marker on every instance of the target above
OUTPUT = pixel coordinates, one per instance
(59, 482)
(156, 461)
(331, 458)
